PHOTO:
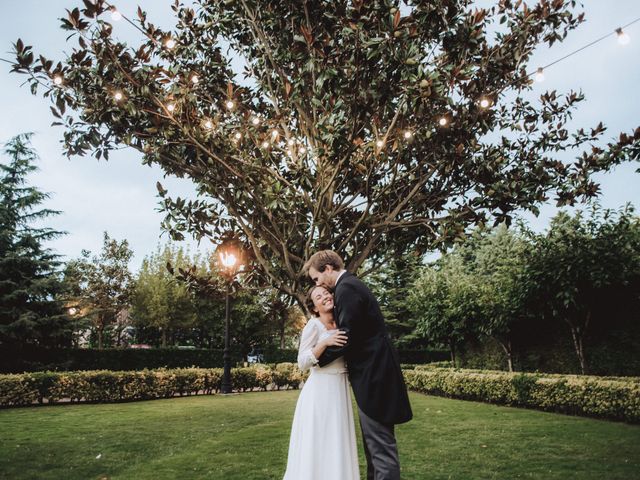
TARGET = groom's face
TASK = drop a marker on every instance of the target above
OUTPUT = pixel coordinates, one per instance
(323, 279)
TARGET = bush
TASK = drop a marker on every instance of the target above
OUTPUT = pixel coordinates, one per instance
(615, 398)
(102, 386)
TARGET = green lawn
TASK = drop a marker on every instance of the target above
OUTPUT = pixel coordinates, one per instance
(246, 437)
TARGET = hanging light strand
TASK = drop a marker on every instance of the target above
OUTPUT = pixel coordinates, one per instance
(538, 74)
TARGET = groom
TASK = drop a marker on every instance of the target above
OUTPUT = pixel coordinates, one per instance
(373, 365)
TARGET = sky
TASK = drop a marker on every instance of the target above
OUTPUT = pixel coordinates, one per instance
(119, 196)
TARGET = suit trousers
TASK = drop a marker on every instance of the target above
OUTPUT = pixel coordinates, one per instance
(380, 448)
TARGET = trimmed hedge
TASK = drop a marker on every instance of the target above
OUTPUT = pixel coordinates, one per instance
(107, 386)
(36, 359)
(616, 398)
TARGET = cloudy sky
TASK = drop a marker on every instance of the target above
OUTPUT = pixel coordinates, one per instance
(119, 196)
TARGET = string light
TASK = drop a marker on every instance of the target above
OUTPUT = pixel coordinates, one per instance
(171, 43)
(265, 144)
(275, 134)
(443, 121)
(238, 136)
(539, 75)
(57, 80)
(255, 121)
(115, 14)
(380, 143)
(230, 104)
(289, 152)
(171, 107)
(484, 102)
(118, 96)
(303, 150)
(208, 124)
(623, 37)
(408, 134)
(290, 142)
(195, 79)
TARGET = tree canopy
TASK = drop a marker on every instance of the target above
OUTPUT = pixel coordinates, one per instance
(362, 126)
(30, 308)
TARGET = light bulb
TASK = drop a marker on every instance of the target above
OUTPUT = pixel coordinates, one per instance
(118, 96)
(171, 107)
(380, 144)
(289, 152)
(442, 121)
(195, 79)
(265, 144)
(208, 124)
(255, 121)
(228, 260)
(408, 134)
(302, 150)
(230, 104)
(57, 80)
(238, 136)
(484, 103)
(623, 37)
(539, 75)
(274, 134)
(170, 43)
(115, 15)
(290, 142)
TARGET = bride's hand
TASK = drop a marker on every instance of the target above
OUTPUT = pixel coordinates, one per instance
(337, 339)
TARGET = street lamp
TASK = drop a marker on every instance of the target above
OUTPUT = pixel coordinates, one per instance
(230, 254)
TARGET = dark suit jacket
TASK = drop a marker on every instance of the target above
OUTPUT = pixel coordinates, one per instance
(374, 368)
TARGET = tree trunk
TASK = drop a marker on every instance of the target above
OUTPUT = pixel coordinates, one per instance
(577, 334)
(506, 346)
(282, 329)
(164, 337)
(452, 348)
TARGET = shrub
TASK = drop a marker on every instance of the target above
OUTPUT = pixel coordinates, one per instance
(606, 397)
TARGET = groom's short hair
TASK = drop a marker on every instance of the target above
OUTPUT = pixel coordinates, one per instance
(321, 259)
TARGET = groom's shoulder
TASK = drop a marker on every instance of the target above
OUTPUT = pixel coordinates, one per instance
(352, 281)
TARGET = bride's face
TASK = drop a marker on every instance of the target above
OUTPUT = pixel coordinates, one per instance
(322, 300)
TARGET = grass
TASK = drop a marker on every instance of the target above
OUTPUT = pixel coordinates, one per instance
(246, 437)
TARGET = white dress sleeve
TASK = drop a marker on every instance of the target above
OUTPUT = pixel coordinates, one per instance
(308, 340)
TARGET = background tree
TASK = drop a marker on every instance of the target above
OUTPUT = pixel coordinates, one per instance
(583, 264)
(444, 303)
(391, 284)
(159, 300)
(31, 311)
(497, 260)
(100, 287)
(359, 126)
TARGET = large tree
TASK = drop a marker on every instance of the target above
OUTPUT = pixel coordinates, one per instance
(496, 258)
(100, 287)
(30, 308)
(360, 126)
(159, 300)
(581, 266)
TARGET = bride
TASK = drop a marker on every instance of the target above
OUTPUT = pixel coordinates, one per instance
(323, 440)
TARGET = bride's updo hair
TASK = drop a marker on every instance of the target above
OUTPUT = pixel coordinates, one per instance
(309, 301)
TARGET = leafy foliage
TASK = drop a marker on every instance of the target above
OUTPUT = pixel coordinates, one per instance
(357, 126)
(30, 307)
(99, 288)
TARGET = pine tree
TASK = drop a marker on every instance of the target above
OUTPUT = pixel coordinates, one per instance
(30, 312)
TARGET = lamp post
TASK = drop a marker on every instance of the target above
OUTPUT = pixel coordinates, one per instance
(230, 256)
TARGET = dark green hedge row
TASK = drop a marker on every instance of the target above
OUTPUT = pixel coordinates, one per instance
(107, 386)
(615, 398)
(30, 359)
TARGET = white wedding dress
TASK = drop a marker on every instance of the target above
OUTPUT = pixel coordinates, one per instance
(323, 438)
